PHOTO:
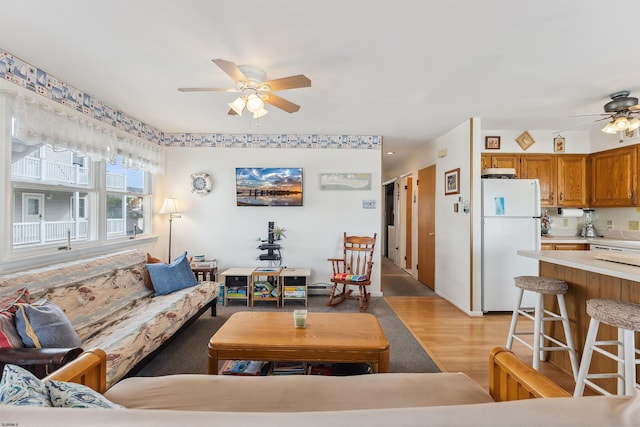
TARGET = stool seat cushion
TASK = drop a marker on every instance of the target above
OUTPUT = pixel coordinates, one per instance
(541, 284)
(620, 314)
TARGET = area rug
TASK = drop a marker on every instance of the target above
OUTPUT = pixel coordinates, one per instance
(187, 352)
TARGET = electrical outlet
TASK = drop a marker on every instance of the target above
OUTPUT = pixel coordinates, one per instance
(634, 225)
(609, 224)
(565, 222)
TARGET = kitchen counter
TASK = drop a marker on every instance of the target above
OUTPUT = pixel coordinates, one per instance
(587, 278)
(585, 260)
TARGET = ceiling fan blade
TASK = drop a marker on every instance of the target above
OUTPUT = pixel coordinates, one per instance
(207, 89)
(591, 114)
(581, 124)
(281, 103)
(231, 69)
(291, 82)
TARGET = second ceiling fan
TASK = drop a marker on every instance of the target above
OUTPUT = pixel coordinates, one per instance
(255, 90)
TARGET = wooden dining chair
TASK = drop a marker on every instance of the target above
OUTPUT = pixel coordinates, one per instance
(353, 269)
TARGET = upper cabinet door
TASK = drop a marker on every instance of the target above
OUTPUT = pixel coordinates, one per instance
(572, 180)
(504, 160)
(614, 177)
(543, 168)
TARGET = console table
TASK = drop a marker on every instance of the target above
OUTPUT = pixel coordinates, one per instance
(290, 284)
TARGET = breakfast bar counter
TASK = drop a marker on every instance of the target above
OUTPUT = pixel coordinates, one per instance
(587, 261)
(588, 277)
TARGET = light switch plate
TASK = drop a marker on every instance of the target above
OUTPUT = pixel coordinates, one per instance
(634, 225)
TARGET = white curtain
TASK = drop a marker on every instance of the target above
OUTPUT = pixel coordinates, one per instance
(36, 124)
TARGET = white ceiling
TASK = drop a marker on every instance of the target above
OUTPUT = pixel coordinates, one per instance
(408, 70)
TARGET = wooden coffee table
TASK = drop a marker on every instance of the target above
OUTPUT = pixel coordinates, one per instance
(328, 337)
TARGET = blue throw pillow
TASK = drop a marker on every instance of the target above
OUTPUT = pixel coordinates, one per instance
(167, 278)
(44, 325)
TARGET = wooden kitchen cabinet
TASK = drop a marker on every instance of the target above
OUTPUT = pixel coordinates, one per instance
(571, 184)
(564, 246)
(614, 177)
(542, 167)
(503, 160)
(562, 177)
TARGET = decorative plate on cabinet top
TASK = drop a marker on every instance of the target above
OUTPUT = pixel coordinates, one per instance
(200, 183)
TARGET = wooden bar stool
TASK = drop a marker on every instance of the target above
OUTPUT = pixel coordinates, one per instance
(626, 317)
(542, 286)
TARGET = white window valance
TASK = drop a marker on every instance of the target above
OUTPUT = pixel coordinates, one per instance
(34, 123)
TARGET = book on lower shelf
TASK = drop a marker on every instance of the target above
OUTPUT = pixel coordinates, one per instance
(320, 369)
(289, 368)
(252, 368)
(295, 291)
(264, 290)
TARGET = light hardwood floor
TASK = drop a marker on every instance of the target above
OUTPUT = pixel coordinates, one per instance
(460, 343)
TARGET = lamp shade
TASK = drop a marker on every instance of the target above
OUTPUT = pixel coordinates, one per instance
(238, 105)
(610, 128)
(170, 206)
(254, 103)
(260, 113)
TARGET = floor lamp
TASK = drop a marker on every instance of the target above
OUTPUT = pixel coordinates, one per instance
(170, 206)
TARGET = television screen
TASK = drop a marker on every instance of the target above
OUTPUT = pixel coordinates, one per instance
(269, 186)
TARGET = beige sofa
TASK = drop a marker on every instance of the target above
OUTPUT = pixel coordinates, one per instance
(109, 306)
(371, 400)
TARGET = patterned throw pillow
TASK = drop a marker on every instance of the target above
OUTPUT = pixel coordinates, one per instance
(168, 278)
(44, 325)
(9, 337)
(71, 395)
(350, 277)
(20, 387)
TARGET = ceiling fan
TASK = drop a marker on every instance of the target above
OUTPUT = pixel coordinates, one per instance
(254, 89)
(622, 113)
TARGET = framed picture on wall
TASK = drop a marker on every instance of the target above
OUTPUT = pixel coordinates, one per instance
(525, 140)
(558, 144)
(491, 142)
(452, 181)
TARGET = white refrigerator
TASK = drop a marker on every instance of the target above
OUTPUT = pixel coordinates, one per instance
(510, 222)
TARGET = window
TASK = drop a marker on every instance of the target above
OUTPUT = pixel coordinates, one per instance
(47, 186)
(74, 180)
(127, 200)
(54, 195)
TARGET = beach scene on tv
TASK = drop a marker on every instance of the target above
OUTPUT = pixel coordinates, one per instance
(269, 186)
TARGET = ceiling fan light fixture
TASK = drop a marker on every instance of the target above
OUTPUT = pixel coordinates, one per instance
(254, 103)
(259, 113)
(610, 128)
(621, 123)
(238, 105)
(634, 124)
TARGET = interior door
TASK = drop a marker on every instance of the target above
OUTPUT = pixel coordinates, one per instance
(427, 226)
(408, 222)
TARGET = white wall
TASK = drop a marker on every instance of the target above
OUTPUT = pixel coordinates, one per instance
(214, 226)
(453, 229)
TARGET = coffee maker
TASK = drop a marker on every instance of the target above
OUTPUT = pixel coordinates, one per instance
(588, 230)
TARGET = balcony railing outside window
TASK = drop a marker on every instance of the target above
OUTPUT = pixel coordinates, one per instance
(33, 168)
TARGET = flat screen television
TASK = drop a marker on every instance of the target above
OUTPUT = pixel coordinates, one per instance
(269, 186)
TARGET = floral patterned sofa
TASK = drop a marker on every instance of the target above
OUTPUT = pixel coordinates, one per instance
(109, 306)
